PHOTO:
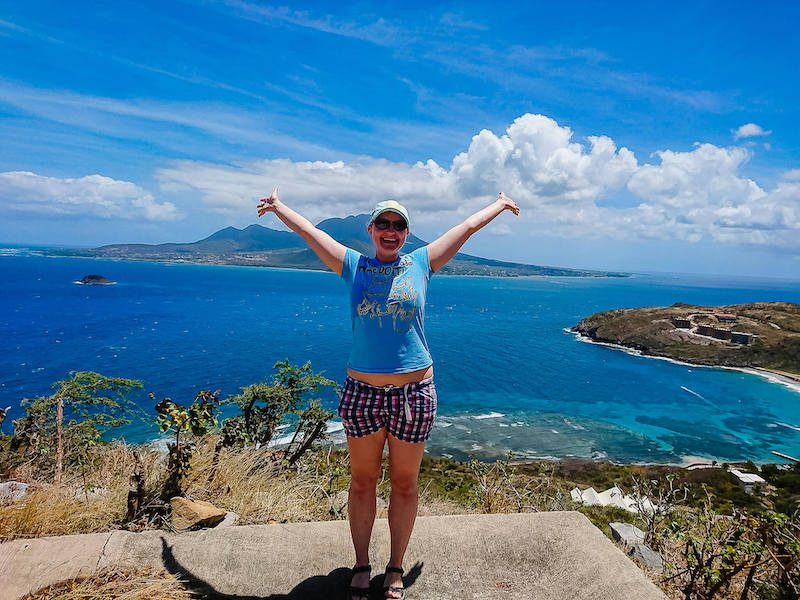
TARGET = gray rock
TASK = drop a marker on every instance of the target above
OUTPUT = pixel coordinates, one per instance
(230, 519)
(646, 555)
(626, 533)
(12, 491)
(339, 502)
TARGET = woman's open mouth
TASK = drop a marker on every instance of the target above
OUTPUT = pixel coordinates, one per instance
(390, 243)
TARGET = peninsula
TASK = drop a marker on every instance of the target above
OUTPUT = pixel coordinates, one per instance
(758, 335)
(260, 246)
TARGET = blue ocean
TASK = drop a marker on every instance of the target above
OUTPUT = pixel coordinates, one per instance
(509, 375)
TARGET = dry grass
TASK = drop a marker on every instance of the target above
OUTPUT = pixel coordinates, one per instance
(114, 584)
(249, 483)
(62, 510)
(246, 482)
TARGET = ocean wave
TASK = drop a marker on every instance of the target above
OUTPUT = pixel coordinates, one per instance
(491, 415)
(795, 427)
(532, 455)
(332, 427)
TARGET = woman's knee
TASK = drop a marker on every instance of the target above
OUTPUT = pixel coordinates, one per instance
(405, 484)
(363, 481)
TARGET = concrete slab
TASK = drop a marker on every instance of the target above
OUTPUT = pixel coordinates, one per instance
(547, 556)
(27, 565)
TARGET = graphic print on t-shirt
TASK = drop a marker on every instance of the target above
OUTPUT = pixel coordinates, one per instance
(389, 292)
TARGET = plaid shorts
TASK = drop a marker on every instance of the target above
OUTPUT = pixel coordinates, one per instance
(406, 411)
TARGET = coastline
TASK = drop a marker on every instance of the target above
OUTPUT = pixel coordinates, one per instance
(222, 263)
(789, 380)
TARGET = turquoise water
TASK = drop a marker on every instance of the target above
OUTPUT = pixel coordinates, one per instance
(509, 376)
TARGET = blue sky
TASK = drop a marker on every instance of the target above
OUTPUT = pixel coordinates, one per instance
(643, 136)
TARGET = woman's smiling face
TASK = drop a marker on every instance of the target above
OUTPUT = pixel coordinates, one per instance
(385, 236)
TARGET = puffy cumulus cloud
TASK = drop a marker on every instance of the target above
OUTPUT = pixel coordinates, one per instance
(697, 194)
(707, 176)
(560, 184)
(535, 162)
(749, 130)
(23, 192)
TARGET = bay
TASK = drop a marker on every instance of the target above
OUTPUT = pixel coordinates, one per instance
(509, 375)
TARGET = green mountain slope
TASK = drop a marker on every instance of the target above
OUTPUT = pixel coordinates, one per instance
(262, 246)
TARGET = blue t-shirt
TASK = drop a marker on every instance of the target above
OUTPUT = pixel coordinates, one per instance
(387, 310)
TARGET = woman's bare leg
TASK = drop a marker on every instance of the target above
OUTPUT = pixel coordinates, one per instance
(404, 462)
(365, 467)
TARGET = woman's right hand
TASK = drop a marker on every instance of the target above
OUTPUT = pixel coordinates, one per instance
(270, 204)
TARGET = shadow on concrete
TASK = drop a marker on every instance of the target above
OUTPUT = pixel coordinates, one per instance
(332, 586)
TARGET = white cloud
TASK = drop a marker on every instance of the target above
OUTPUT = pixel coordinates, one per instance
(749, 130)
(377, 31)
(534, 162)
(697, 194)
(557, 182)
(93, 196)
(537, 163)
(500, 229)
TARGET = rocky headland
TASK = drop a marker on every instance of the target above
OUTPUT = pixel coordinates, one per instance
(95, 280)
(757, 335)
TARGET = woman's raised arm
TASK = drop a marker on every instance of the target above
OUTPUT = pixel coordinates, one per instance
(441, 250)
(328, 249)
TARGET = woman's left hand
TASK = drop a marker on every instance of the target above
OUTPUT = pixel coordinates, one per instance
(508, 203)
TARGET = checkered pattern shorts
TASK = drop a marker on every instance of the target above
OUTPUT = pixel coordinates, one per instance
(405, 411)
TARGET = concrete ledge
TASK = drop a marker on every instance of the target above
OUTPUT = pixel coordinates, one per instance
(548, 556)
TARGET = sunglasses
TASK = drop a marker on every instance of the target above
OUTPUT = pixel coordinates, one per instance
(384, 224)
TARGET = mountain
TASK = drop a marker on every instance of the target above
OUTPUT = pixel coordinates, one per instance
(261, 246)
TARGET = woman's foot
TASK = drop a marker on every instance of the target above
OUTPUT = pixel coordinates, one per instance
(393, 583)
(359, 584)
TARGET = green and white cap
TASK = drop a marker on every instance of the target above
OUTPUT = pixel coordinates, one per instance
(390, 206)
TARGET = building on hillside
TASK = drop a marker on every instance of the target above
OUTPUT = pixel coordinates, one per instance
(739, 337)
(682, 323)
(611, 497)
(749, 481)
(725, 317)
(715, 332)
(722, 334)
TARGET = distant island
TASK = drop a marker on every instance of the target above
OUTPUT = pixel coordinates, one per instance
(759, 335)
(95, 280)
(260, 246)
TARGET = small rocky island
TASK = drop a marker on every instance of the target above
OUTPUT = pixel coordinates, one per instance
(95, 280)
(760, 335)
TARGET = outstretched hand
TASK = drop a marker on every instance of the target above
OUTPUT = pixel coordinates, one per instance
(266, 205)
(508, 203)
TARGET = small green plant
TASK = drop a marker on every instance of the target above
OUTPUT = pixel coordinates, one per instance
(73, 419)
(718, 551)
(655, 500)
(187, 423)
(500, 487)
(265, 406)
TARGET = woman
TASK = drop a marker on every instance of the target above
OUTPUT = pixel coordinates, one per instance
(389, 394)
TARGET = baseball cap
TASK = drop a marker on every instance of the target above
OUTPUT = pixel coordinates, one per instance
(389, 206)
